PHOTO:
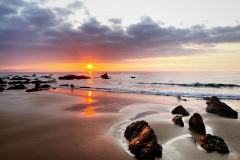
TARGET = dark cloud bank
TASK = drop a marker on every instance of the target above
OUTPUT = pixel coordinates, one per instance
(32, 33)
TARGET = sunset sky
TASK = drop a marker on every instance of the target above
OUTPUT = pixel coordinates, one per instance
(114, 35)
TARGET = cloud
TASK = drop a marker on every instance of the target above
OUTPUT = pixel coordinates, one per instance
(35, 34)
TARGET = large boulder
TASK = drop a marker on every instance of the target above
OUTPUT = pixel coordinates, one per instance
(105, 76)
(20, 86)
(178, 120)
(143, 143)
(215, 106)
(180, 110)
(196, 124)
(213, 143)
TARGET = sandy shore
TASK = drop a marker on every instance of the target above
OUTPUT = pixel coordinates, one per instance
(65, 124)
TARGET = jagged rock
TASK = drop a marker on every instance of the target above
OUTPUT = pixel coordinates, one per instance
(196, 124)
(180, 110)
(133, 77)
(19, 82)
(20, 86)
(178, 120)
(19, 78)
(213, 143)
(71, 77)
(215, 106)
(105, 76)
(34, 75)
(65, 85)
(143, 142)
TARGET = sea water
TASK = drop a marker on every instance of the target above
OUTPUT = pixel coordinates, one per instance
(224, 85)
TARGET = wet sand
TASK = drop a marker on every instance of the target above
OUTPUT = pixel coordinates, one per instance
(81, 124)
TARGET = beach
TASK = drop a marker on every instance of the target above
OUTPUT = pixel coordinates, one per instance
(84, 124)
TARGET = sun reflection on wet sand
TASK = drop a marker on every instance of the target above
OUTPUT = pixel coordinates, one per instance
(89, 93)
(89, 111)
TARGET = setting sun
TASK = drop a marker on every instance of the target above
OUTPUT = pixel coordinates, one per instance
(89, 66)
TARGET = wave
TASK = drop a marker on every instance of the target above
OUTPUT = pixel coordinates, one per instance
(164, 93)
(213, 85)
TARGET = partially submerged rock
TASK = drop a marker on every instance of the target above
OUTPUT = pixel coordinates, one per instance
(143, 143)
(105, 76)
(20, 86)
(180, 110)
(178, 120)
(215, 106)
(71, 77)
(213, 143)
(196, 124)
(34, 90)
(1, 81)
(45, 86)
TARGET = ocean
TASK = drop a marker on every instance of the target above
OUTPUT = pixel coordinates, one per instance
(224, 85)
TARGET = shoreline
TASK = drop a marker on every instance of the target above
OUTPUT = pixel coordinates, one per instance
(82, 119)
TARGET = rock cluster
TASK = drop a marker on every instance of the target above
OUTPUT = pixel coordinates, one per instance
(213, 143)
(180, 110)
(196, 124)
(20, 86)
(143, 142)
(215, 106)
(178, 120)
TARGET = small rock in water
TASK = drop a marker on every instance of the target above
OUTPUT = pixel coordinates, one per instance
(213, 143)
(196, 124)
(178, 120)
(105, 76)
(143, 143)
(180, 110)
(215, 106)
(1, 89)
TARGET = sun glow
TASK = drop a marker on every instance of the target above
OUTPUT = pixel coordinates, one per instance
(89, 66)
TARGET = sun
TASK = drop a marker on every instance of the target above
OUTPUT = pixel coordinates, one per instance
(89, 66)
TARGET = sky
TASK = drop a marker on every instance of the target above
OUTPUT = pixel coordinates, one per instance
(114, 35)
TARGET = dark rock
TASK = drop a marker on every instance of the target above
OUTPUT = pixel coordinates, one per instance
(48, 77)
(20, 86)
(1, 89)
(180, 110)
(133, 77)
(215, 106)
(2, 85)
(213, 143)
(45, 86)
(1, 81)
(196, 124)
(105, 76)
(26, 76)
(66, 85)
(34, 75)
(34, 90)
(178, 120)
(72, 86)
(71, 77)
(54, 88)
(143, 143)
(19, 82)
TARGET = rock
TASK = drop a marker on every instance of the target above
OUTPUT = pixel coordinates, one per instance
(180, 110)
(213, 143)
(1, 89)
(215, 106)
(105, 76)
(133, 77)
(48, 77)
(71, 77)
(19, 78)
(34, 90)
(45, 86)
(196, 124)
(65, 85)
(34, 75)
(143, 143)
(19, 82)
(72, 86)
(20, 86)
(178, 120)
(1, 81)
